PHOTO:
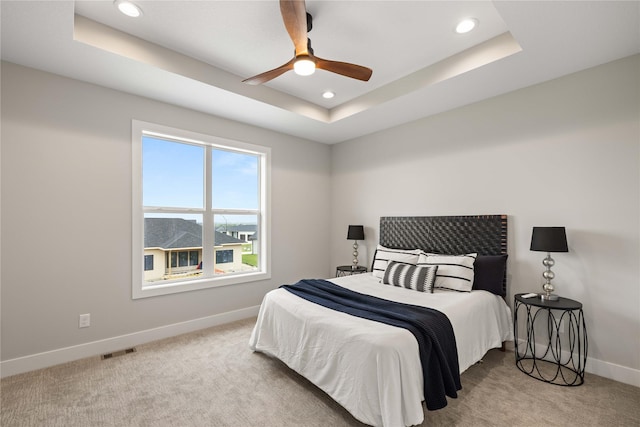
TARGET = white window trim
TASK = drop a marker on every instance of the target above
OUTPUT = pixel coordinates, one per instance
(139, 290)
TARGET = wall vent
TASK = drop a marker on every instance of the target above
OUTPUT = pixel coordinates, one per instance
(118, 353)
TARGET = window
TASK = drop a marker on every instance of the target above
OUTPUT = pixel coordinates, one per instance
(182, 258)
(193, 257)
(148, 262)
(191, 194)
(224, 256)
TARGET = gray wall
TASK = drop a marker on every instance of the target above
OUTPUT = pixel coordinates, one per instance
(66, 213)
(564, 153)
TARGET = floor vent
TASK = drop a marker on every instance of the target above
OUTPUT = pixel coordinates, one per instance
(118, 353)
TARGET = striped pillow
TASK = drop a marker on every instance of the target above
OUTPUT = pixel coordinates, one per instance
(455, 272)
(384, 255)
(409, 276)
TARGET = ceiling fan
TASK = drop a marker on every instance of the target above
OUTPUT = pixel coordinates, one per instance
(298, 23)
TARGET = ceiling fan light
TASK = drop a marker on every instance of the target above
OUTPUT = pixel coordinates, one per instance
(128, 8)
(304, 67)
(466, 25)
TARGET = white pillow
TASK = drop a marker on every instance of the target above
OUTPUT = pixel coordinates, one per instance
(384, 255)
(455, 272)
(418, 278)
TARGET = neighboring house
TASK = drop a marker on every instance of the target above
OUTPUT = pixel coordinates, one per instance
(173, 248)
(242, 231)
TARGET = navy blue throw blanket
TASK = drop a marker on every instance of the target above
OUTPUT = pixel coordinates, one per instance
(432, 329)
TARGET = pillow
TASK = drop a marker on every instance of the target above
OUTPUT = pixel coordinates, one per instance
(384, 255)
(455, 272)
(489, 273)
(409, 276)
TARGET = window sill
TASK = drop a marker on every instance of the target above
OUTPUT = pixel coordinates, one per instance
(175, 287)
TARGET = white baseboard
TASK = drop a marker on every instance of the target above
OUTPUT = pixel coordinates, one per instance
(614, 372)
(601, 368)
(95, 348)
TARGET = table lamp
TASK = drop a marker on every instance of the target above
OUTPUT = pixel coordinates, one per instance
(548, 239)
(356, 232)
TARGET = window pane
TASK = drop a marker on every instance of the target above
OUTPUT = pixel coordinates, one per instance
(193, 258)
(224, 256)
(237, 243)
(235, 180)
(172, 174)
(177, 238)
(148, 262)
(183, 259)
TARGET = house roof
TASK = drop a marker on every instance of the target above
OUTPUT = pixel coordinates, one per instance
(240, 227)
(175, 233)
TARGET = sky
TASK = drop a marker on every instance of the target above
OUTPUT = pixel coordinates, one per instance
(173, 176)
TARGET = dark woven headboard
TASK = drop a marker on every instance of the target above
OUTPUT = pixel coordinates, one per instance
(484, 234)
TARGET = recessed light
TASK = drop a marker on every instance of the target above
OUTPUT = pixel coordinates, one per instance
(128, 8)
(327, 94)
(466, 25)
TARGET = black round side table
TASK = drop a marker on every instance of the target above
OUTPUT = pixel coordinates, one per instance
(347, 270)
(561, 354)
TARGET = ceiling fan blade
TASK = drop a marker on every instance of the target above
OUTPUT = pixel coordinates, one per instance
(298, 23)
(294, 15)
(344, 68)
(271, 74)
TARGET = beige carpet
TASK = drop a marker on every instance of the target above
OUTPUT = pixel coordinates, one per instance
(211, 378)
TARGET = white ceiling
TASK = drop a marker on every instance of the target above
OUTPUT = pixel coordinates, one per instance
(196, 53)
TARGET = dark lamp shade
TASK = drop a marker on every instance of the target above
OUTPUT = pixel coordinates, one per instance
(356, 232)
(549, 239)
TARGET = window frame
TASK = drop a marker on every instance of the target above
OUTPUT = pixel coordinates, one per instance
(142, 289)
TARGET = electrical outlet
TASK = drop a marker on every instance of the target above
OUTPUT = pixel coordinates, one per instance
(84, 321)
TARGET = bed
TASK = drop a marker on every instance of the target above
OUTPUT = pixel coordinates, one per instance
(374, 369)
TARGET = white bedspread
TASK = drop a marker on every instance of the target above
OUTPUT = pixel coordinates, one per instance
(370, 368)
